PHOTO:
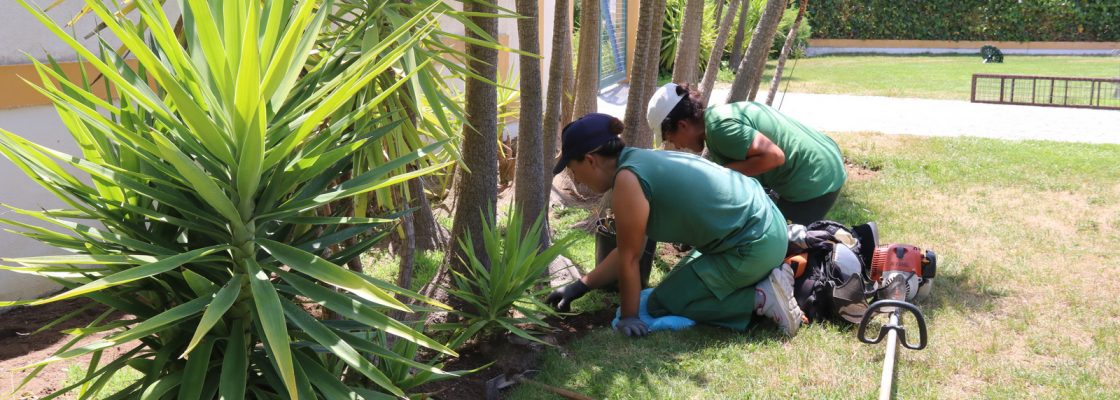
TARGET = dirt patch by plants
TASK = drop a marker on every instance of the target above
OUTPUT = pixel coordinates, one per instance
(510, 356)
(19, 347)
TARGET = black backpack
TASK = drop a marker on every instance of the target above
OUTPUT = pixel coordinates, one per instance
(833, 281)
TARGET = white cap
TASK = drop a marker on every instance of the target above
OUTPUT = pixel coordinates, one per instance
(662, 102)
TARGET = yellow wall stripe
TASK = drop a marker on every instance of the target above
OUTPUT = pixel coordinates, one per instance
(15, 93)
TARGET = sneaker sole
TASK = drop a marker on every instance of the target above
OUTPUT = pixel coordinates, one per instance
(787, 305)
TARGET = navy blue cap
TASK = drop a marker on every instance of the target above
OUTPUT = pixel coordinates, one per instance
(582, 136)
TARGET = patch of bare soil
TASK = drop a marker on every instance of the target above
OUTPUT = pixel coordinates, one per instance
(509, 356)
(859, 172)
(19, 347)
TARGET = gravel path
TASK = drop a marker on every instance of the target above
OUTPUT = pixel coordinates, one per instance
(892, 115)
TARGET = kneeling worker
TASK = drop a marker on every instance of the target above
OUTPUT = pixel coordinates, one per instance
(739, 234)
(803, 166)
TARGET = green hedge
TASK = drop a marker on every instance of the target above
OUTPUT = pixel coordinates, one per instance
(996, 20)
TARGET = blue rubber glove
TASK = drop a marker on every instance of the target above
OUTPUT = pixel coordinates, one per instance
(668, 322)
(632, 326)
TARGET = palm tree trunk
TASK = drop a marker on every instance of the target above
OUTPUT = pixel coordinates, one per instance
(477, 189)
(750, 68)
(559, 72)
(530, 184)
(719, 14)
(790, 38)
(642, 83)
(430, 235)
(407, 253)
(688, 45)
(587, 68)
(712, 70)
(653, 61)
(740, 32)
(568, 95)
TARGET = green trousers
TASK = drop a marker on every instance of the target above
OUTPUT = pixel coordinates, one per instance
(683, 293)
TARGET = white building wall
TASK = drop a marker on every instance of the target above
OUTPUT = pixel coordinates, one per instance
(21, 36)
(41, 125)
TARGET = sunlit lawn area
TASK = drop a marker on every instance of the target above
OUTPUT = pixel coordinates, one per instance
(926, 76)
(1023, 306)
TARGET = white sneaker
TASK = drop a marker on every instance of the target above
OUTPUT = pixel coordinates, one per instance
(775, 300)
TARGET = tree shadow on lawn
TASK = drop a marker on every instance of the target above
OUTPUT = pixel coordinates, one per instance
(605, 364)
(953, 287)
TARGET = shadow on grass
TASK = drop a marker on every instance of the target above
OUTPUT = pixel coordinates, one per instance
(957, 290)
(605, 364)
(850, 211)
(962, 292)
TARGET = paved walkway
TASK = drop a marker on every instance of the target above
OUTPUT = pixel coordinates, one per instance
(843, 113)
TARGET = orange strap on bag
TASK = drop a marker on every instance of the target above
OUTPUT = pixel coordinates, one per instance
(798, 263)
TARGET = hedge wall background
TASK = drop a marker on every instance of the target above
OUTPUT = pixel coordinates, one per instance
(996, 20)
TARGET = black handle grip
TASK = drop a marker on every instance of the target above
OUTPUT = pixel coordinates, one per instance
(883, 330)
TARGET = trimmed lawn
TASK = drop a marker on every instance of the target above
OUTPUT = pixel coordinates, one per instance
(1023, 305)
(947, 77)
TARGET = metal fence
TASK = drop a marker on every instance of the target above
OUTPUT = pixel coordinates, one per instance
(612, 42)
(1054, 91)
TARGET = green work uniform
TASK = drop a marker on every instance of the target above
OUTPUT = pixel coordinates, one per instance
(813, 165)
(738, 233)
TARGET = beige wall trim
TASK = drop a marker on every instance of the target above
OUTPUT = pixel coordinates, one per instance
(632, 13)
(965, 44)
(15, 93)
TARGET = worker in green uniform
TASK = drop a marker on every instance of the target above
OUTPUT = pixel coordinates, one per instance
(801, 165)
(739, 235)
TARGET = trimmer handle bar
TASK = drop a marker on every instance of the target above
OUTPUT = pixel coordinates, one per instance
(883, 330)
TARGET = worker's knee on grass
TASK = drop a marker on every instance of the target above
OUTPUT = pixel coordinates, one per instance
(676, 292)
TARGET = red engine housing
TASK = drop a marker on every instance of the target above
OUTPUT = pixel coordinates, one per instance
(896, 257)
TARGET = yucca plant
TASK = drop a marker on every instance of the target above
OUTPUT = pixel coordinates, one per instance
(193, 204)
(505, 294)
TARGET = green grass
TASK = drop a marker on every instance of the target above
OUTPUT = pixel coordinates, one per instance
(946, 77)
(1023, 306)
(120, 380)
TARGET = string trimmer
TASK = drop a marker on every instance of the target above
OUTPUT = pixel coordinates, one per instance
(901, 274)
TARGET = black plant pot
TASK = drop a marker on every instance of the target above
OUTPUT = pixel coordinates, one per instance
(605, 241)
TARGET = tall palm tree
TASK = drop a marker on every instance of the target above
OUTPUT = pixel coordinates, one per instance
(587, 67)
(476, 191)
(719, 12)
(429, 234)
(530, 194)
(750, 69)
(712, 70)
(654, 65)
(642, 83)
(559, 71)
(786, 49)
(740, 34)
(568, 95)
(688, 44)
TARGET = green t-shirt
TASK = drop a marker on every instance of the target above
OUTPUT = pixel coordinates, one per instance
(813, 164)
(712, 208)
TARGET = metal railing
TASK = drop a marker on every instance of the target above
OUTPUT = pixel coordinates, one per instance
(1052, 91)
(612, 42)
